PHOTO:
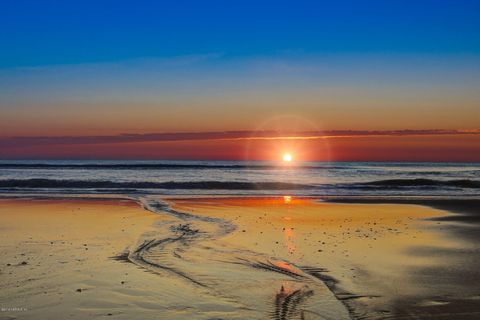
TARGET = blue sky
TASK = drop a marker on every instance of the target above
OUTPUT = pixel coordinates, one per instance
(37, 33)
(88, 67)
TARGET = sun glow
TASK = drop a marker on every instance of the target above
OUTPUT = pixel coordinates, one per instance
(287, 157)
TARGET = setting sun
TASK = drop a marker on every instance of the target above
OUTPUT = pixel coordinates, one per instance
(287, 157)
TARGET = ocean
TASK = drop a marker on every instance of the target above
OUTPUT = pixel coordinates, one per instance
(447, 180)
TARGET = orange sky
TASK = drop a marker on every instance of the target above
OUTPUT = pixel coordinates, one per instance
(359, 147)
(74, 77)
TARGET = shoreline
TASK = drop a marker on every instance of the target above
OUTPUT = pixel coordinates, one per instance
(200, 229)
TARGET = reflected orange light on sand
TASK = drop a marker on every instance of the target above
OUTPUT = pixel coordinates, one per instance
(289, 240)
(284, 265)
(288, 233)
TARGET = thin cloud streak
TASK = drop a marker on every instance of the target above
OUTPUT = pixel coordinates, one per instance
(219, 135)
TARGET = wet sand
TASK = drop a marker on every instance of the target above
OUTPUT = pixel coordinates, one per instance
(236, 258)
(55, 260)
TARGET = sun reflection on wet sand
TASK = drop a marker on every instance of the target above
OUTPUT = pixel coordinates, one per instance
(366, 248)
(288, 230)
(289, 240)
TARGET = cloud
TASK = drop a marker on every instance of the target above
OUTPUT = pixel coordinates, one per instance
(150, 62)
(218, 135)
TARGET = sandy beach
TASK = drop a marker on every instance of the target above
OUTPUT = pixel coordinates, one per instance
(238, 258)
(56, 259)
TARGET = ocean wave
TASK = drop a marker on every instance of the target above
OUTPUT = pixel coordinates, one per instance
(160, 166)
(394, 183)
(132, 186)
(105, 184)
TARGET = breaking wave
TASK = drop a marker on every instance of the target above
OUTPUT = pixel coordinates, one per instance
(376, 187)
(101, 184)
(156, 166)
(394, 183)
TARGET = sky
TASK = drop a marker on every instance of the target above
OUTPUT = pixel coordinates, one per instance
(76, 77)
